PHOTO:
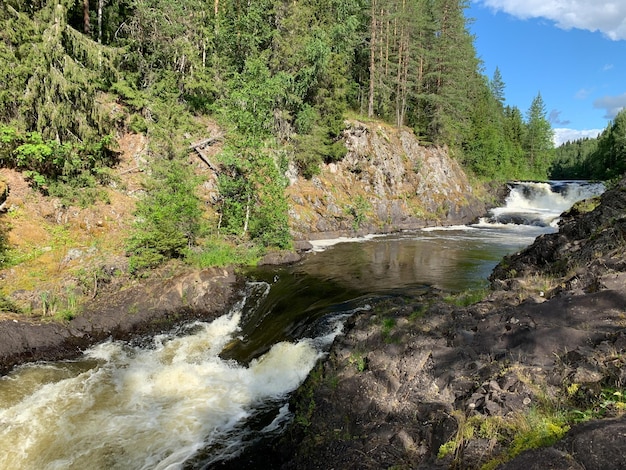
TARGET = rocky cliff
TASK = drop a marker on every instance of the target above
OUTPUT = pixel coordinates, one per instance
(387, 182)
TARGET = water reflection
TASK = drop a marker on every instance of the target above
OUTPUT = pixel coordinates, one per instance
(451, 259)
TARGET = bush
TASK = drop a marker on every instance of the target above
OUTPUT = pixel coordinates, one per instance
(253, 195)
(47, 162)
(219, 253)
(7, 305)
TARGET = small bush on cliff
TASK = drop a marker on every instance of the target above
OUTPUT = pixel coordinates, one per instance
(7, 305)
(46, 163)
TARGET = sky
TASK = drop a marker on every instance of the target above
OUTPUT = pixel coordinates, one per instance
(572, 52)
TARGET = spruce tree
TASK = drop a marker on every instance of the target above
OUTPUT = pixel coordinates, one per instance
(538, 144)
(497, 86)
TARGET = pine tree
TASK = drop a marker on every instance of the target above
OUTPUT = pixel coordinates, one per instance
(538, 143)
(497, 86)
(609, 160)
(61, 72)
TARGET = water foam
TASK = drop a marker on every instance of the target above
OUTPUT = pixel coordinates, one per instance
(541, 204)
(146, 408)
(323, 244)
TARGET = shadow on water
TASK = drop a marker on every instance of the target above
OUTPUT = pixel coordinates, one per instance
(294, 305)
(293, 302)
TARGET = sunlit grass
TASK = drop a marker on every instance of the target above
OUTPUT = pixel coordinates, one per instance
(467, 297)
(220, 253)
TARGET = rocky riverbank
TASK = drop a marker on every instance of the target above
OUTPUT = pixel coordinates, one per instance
(416, 382)
(146, 307)
(515, 381)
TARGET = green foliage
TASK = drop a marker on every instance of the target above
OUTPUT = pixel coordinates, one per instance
(609, 160)
(359, 361)
(305, 401)
(538, 143)
(4, 243)
(252, 187)
(167, 219)
(540, 431)
(359, 211)
(58, 75)
(278, 75)
(67, 306)
(46, 162)
(317, 147)
(571, 159)
(7, 305)
(387, 328)
(602, 158)
(592, 404)
(502, 145)
(253, 199)
(468, 297)
(515, 432)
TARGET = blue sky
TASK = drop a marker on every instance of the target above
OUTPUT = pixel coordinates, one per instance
(573, 52)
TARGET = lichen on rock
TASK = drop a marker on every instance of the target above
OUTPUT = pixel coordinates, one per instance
(388, 181)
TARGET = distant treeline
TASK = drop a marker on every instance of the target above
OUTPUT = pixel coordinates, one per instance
(602, 158)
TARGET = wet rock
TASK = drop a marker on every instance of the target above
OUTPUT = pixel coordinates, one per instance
(275, 258)
(302, 246)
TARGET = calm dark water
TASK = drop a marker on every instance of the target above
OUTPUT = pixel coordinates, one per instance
(348, 275)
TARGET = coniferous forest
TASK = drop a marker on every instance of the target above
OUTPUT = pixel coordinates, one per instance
(602, 158)
(279, 76)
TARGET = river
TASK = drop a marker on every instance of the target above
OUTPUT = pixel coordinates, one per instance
(200, 394)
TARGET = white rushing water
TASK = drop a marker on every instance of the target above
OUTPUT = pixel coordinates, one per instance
(151, 407)
(451, 258)
(541, 204)
(530, 209)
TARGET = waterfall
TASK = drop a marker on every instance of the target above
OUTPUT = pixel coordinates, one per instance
(199, 395)
(540, 204)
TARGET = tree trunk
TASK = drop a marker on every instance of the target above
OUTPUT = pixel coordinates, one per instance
(247, 221)
(86, 26)
(370, 101)
(100, 6)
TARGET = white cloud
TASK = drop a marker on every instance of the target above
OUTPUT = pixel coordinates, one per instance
(582, 94)
(611, 104)
(606, 16)
(562, 135)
